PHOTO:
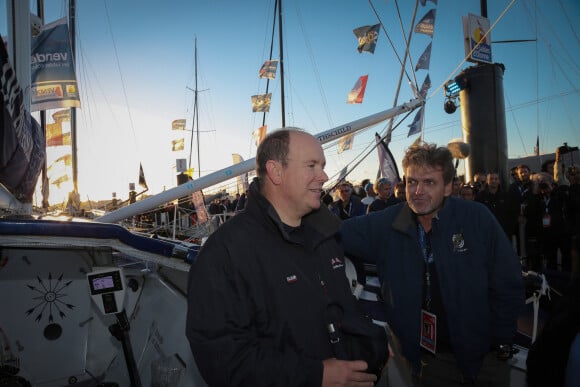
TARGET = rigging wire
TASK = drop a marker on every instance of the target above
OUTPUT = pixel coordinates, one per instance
(314, 66)
(121, 75)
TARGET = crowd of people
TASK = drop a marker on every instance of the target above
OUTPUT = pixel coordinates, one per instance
(450, 278)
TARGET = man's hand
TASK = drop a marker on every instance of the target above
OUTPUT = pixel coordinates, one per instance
(346, 373)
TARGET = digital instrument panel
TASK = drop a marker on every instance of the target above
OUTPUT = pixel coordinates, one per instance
(107, 288)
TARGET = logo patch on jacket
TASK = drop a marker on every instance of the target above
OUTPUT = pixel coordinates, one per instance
(336, 263)
(458, 243)
(291, 278)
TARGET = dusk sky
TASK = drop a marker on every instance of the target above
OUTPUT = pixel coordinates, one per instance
(135, 68)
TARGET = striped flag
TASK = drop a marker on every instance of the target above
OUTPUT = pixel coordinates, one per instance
(357, 93)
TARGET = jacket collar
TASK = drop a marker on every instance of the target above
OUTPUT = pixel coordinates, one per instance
(406, 220)
(323, 222)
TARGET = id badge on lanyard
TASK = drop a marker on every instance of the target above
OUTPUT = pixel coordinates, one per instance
(428, 331)
(428, 319)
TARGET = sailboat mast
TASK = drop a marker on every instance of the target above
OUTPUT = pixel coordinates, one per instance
(283, 110)
(73, 111)
(195, 117)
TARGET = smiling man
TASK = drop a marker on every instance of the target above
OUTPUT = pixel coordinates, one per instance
(259, 290)
(450, 280)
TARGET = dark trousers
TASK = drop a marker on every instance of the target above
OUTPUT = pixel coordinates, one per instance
(442, 371)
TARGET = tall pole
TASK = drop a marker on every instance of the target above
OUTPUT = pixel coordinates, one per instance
(73, 111)
(195, 118)
(45, 184)
(281, 64)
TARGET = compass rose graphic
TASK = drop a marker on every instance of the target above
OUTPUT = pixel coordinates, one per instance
(49, 298)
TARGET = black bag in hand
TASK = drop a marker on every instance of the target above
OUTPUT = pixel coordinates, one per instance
(354, 336)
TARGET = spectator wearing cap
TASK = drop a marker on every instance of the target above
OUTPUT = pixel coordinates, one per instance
(348, 205)
(385, 198)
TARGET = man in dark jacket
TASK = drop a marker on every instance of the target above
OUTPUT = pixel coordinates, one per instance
(259, 290)
(450, 280)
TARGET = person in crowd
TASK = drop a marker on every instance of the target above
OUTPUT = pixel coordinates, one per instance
(523, 207)
(495, 198)
(450, 280)
(456, 187)
(259, 289)
(479, 181)
(400, 191)
(241, 203)
(467, 192)
(385, 198)
(551, 218)
(234, 203)
(551, 358)
(371, 194)
(347, 205)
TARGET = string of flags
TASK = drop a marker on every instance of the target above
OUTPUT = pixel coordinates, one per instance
(367, 37)
(425, 26)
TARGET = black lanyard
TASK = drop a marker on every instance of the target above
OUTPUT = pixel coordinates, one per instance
(425, 242)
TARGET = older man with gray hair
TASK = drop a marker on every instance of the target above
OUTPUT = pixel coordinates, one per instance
(385, 198)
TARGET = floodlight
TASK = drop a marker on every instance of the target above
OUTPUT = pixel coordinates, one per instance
(449, 106)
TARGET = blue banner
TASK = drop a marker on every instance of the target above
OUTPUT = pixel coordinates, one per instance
(54, 83)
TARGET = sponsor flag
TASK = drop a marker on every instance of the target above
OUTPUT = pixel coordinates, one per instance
(417, 124)
(67, 159)
(61, 115)
(178, 124)
(427, 24)
(54, 83)
(199, 204)
(180, 165)
(261, 102)
(142, 181)
(357, 93)
(259, 134)
(268, 69)
(61, 180)
(424, 59)
(425, 86)
(55, 136)
(367, 37)
(345, 143)
(177, 145)
(387, 165)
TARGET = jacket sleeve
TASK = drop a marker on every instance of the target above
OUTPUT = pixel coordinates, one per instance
(355, 238)
(228, 348)
(507, 293)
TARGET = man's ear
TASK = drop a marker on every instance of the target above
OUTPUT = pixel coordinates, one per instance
(274, 169)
